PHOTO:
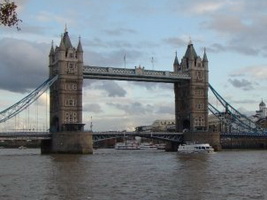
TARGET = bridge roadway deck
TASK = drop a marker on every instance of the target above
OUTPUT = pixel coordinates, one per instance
(97, 136)
(23, 135)
(167, 136)
(136, 74)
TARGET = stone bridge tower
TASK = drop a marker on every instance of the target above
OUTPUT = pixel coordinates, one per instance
(66, 94)
(68, 136)
(191, 97)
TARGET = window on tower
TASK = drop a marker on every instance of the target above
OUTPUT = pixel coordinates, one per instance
(70, 102)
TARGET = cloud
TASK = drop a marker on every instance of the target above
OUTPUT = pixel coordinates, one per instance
(242, 84)
(21, 5)
(153, 85)
(119, 45)
(245, 112)
(255, 72)
(238, 48)
(239, 25)
(216, 48)
(135, 108)
(175, 41)
(142, 8)
(259, 72)
(244, 49)
(45, 16)
(168, 109)
(119, 31)
(112, 88)
(245, 101)
(227, 24)
(204, 7)
(23, 65)
(235, 30)
(93, 108)
(97, 42)
(112, 58)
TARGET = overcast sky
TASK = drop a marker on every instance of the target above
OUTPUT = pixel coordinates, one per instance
(233, 31)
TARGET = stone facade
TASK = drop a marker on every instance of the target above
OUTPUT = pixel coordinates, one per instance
(68, 136)
(70, 142)
(66, 93)
(191, 97)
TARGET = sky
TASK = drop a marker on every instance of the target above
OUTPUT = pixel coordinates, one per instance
(232, 31)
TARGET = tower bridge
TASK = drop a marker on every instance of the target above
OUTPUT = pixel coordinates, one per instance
(67, 72)
(190, 79)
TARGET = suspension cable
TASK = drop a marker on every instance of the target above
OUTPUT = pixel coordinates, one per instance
(234, 116)
(26, 101)
(46, 110)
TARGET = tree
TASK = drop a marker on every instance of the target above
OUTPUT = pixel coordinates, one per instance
(8, 14)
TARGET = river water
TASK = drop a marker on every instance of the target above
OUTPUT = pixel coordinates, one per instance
(132, 175)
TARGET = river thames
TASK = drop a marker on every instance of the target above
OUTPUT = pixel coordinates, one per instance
(132, 175)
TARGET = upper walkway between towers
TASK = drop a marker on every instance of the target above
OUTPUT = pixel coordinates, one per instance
(136, 74)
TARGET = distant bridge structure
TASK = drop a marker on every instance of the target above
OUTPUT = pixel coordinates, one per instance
(24, 135)
(97, 136)
(163, 136)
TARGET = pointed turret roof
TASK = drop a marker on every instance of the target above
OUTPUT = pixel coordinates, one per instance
(79, 47)
(52, 51)
(190, 52)
(176, 62)
(62, 45)
(66, 40)
(205, 58)
(262, 103)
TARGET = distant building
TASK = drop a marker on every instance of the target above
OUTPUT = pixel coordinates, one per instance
(143, 128)
(158, 126)
(163, 125)
(262, 112)
(261, 115)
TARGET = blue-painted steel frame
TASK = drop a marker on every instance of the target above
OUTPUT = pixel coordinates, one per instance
(234, 116)
(26, 101)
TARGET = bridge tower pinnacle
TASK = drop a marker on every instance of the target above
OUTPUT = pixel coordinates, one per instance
(176, 64)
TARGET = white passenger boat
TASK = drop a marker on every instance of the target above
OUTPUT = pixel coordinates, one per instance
(22, 147)
(147, 146)
(161, 146)
(195, 148)
(128, 145)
